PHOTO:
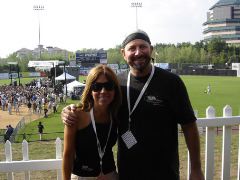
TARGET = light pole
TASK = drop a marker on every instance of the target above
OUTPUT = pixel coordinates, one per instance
(52, 72)
(65, 76)
(136, 5)
(54, 75)
(10, 70)
(18, 75)
(39, 8)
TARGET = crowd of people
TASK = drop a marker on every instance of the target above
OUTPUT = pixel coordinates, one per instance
(37, 96)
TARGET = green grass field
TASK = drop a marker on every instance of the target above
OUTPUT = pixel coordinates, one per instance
(225, 90)
(8, 81)
(53, 127)
(25, 80)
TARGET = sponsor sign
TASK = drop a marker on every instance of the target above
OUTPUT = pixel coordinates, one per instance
(13, 75)
(113, 66)
(4, 75)
(34, 74)
(162, 65)
(236, 66)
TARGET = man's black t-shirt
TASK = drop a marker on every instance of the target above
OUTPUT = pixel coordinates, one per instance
(154, 124)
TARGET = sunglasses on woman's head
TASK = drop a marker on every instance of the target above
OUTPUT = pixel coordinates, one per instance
(96, 87)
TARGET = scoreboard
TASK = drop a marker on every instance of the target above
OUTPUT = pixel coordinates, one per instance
(93, 57)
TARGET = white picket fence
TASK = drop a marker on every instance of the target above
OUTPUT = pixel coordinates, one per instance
(227, 121)
(27, 165)
(209, 125)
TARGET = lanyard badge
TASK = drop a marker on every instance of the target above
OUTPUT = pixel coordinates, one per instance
(128, 137)
(100, 151)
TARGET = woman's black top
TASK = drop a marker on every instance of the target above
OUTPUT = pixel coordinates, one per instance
(87, 161)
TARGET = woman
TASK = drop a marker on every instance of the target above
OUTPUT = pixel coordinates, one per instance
(88, 144)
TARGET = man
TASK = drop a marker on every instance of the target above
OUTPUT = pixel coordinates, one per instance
(8, 132)
(40, 130)
(155, 101)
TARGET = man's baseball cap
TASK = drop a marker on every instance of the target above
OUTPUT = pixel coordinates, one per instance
(137, 34)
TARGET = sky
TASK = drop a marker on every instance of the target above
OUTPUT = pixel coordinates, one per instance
(77, 24)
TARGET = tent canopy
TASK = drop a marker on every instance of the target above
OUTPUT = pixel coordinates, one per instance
(51, 63)
(71, 85)
(62, 77)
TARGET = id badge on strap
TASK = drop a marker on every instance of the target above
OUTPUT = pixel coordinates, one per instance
(129, 139)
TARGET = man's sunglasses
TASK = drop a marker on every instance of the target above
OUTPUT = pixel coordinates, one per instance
(109, 86)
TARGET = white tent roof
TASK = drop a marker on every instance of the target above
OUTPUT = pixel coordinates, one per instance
(51, 63)
(62, 77)
(73, 84)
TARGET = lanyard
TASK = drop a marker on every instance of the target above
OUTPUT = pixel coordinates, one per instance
(140, 95)
(100, 151)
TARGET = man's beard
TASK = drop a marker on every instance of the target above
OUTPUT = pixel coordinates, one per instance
(145, 60)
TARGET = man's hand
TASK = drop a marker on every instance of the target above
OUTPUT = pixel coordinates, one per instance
(68, 116)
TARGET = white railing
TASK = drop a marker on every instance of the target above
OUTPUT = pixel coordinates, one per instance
(208, 125)
(27, 165)
(19, 126)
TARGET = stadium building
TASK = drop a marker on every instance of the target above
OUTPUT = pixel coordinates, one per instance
(223, 20)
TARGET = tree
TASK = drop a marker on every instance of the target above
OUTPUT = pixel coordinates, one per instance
(215, 47)
(114, 55)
